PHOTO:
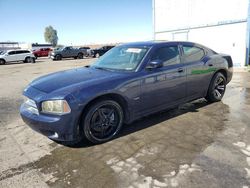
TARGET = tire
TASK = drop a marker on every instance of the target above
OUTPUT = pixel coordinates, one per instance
(97, 55)
(58, 57)
(28, 60)
(102, 121)
(2, 62)
(216, 88)
(80, 56)
(33, 60)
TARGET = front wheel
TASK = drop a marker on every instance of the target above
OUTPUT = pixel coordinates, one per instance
(80, 56)
(58, 57)
(97, 55)
(102, 121)
(217, 88)
(2, 62)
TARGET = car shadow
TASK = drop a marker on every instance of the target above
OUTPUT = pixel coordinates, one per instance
(70, 59)
(151, 120)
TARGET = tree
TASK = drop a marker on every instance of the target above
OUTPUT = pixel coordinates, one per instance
(50, 35)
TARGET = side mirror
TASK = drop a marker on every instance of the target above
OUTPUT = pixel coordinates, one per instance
(154, 64)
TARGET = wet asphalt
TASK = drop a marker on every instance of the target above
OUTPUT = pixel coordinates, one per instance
(195, 145)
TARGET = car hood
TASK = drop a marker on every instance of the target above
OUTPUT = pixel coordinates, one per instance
(64, 79)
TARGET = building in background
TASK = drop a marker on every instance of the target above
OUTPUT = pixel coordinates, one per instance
(28, 46)
(220, 25)
(9, 45)
(34, 46)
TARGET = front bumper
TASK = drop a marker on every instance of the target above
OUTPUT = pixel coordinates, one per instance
(56, 127)
(52, 57)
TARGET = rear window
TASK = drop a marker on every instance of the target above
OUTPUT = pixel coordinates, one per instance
(193, 53)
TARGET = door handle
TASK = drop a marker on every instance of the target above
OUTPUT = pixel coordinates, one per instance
(180, 70)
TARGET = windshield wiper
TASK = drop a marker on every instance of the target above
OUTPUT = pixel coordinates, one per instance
(101, 68)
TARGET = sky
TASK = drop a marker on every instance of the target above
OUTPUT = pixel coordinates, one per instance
(76, 21)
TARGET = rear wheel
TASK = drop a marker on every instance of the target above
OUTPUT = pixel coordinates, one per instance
(29, 60)
(102, 121)
(217, 88)
(33, 60)
(2, 62)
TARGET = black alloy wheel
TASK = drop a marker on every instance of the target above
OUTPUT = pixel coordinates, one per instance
(103, 121)
(217, 88)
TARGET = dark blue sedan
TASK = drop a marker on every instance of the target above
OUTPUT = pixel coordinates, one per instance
(128, 82)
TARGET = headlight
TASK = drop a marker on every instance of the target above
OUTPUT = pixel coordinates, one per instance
(56, 107)
(31, 105)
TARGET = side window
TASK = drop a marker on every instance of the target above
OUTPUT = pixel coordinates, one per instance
(193, 53)
(12, 53)
(18, 52)
(168, 55)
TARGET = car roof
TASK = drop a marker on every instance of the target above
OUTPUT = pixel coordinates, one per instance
(157, 42)
(17, 50)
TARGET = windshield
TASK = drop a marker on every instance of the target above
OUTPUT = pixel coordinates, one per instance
(121, 58)
(2, 52)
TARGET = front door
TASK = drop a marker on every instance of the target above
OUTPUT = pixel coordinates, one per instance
(11, 56)
(166, 86)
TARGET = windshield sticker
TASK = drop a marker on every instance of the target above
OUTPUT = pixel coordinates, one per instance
(133, 50)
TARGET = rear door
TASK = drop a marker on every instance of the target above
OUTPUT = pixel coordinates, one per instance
(19, 55)
(24, 54)
(198, 72)
(165, 86)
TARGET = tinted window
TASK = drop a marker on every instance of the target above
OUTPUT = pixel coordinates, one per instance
(11, 53)
(22, 51)
(19, 52)
(168, 55)
(193, 53)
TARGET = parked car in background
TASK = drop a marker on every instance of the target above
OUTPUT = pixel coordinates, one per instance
(67, 52)
(128, 82)
(42, 52)
(84, 48)
(99, 51)
(17, 55)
